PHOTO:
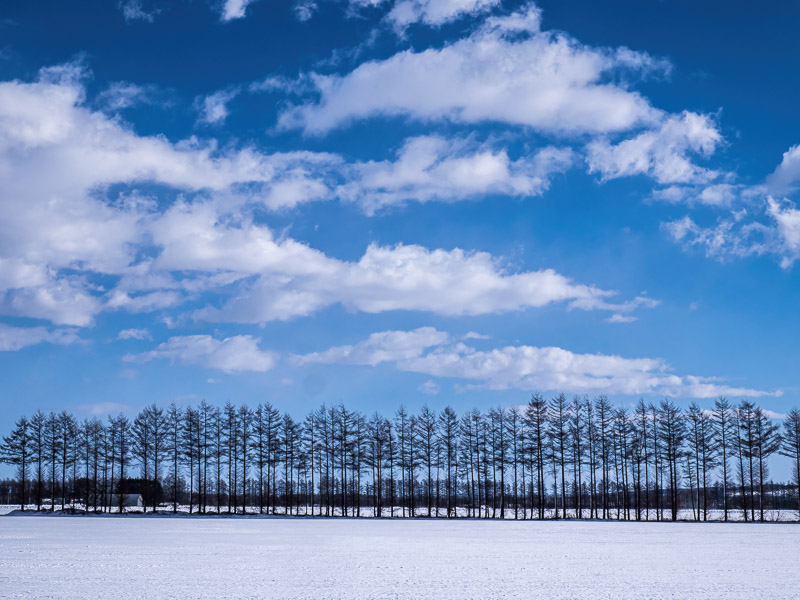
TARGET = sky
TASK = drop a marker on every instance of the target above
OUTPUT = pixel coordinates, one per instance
(386, 202)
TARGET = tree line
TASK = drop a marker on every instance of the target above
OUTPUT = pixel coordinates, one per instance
(550, 458)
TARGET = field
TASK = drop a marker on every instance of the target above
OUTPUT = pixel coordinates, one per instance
(161, 557)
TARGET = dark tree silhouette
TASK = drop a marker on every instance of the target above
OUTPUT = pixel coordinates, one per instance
(17, 450)
(790, 448)
(552, 458)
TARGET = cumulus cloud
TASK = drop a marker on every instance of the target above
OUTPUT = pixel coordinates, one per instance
(384, 346)
(755, 222)
(760, 220)
(430, 387)
(234, 9)
(304, 9)
(56, 154)
(507, 71)
(472, 335)
(232, 355)
(435, 12)
(641, 301)
(772, 229)
(662, 153)
(786, 177)
(529, 368)
(214, 107)
(133, 10)
(63, 300)
(432, 168)
(60, 235)
(16, 338)
(296, 280)
(148, 302)
(120, 95)
(620, 318)
(728, 237)
(134, 334)
(787, 220)
(717, 195)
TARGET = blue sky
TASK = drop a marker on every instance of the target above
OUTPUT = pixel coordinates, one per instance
(383, 202)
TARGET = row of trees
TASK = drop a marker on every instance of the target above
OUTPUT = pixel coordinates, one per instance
(556, 458)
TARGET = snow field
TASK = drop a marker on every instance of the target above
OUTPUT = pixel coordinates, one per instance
(139, 557)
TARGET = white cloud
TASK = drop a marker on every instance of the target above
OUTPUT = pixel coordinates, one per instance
(718, 195)
(430, 387)
(63, 300)
(59, 235)
(619, 318)
(120, 95)
(148, 302)
(234, 9)
(385, 346)
(527, 368)
(132, 10)
(435, 12)
(234, 354)
(296, 186)
(134, 334)
(304, 9)
(432, 168)
(771, 414)
(641, 301)
(214, 107)
(472, 335)
(507, 71)
(102, 408)
(787, 221)
(786, 177)
(15, 338)
(773, 229)
(296, 280)
(759, 222)
(57, 157)
(728, 237)
(661, 153)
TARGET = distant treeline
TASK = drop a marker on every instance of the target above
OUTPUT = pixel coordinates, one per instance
(556, 458)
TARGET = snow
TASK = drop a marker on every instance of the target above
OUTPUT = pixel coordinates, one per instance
(250, 557)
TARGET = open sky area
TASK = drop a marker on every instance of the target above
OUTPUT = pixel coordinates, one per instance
(388, 202)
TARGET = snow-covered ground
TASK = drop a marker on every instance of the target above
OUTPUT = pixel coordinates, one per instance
(143, 557)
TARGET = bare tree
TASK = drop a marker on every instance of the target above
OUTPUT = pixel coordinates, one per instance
(245, 420)
(428, 435)
(172, 446)
(723, 421)
(17, 450)
(122, 443)
(577, 450)
(558, 432)
(767, 442)
(590, 453)
(672, 434)
(536, 420)
(513, 424)
(448, 435)
(790, 448)
(604, 412)
(39, 453)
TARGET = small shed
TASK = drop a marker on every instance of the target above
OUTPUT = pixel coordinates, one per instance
(128, 500)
